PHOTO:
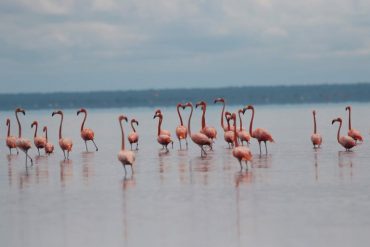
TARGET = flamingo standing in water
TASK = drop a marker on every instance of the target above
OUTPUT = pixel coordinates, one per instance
(164, 136)
(315, 137)
(49, 148)
(198, 138)
(355, 134)
(86, 133)
(11, 141)
(222, 100)
(22, 143)
(260, 134)
(181, 130)
(346, 141)
(229, 134)
(39, 141)
(243, 135)
(241, 153)
(133, 137)
(64, 143)
(126, 157)
(208, 131)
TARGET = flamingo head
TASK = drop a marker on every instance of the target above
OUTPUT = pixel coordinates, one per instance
(227, 115)
(179, 105)
(20, 110)
(45, 129)
(202, 104)
(233, 116)
(7, 122)
(34, 123)
(158, 113)
(81, 110)
(188, 104)
(122, 117)
(348, 108)
(336, 120)
(314, 112)
(57, 112)
(249, 107)
(219, 100)
(135, 121)
(240, 111)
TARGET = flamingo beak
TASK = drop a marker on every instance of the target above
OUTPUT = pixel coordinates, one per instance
(154, 116)
(78, 113)
(53, 114)
(332, 122)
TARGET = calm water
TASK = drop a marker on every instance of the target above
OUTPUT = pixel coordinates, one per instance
(295, 196)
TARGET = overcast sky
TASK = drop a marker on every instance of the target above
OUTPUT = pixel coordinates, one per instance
(80, 45)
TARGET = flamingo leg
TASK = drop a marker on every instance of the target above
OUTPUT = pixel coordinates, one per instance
(10, 151)
(131, 146)
(246, 163)
(172, 144)
(124, 167)
(186, 141)
(180, 143)
(17, 151)
(259, 143)
(64, 153)
(266, 147)
(96, 147)
(137, 146)
(132, 169)
(67, 155)
(241, 166)
(38, 150)
(86, 147)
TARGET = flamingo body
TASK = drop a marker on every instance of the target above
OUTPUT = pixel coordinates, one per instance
(39, 141)
(126, 157)
(347, 142)
(11, 141)
(66, 144)
(49, 148)
(87, 134)
(242, 153)
(133, 137)
(316, 139)
(262, 135)
(181, 132)
(355, 134)
(244, 136)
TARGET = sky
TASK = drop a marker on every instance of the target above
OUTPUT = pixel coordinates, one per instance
(70, 45)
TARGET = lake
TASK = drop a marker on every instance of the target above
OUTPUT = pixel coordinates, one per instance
(294, 196)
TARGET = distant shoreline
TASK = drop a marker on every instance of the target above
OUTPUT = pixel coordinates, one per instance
(260, 95)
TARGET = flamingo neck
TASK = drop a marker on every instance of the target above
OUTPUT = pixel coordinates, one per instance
(159, 125)
(83, 122)
(36, 126)
(349, 119)
(132, 126)
(178, 112)
(8, 123)
(222, 116)
(123, 136)
(204, 117)
(46, 134)
(228, 125)
(235, 135)
(19, 126)
(189, 120)
(251, 123)
(60, 126)
(314, 123)
(240, 121)
(338, 134)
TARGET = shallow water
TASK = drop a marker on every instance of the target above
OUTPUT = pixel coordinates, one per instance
(295, 196)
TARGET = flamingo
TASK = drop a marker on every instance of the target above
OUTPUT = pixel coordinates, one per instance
(243, 135)
(86, 133)
(49, 148)
(198, 138)
(260, 134)
(133, 137)
(355, 134)
(22, 143)
(181, 130)
(222, 100)
(64, 143)
(315, 137)
(208, 131)
(39, 141)
(126, 157)
(241, 153)
(163, 138)
(163, 132)
(346, 141)
(229, 134)
(11, 141)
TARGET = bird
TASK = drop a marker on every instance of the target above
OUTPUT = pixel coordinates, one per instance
(163, 132)
(163, 137)
(222, 100)
(11, 141)
(241, 153)
(355, 134)
(86, 133)
(126, 157)
(198, 138)
(229, 134)
(243, 135)
(181, 130)
(208, 131)
(22, 143)
(64, 143)
(346, 141)
(133, 137)
(39, 141)
(49, 147)
(261, 135)
(315, 137)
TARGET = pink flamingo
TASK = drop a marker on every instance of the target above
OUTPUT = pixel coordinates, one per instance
(22, 143)
(260, 134)
(355, 134)
(198, 138)
(181, 130)
(208, 131)
(243, 135)
(222, 100)
(39, 141)
(241, 153)
(49, 148)
(133, 137)
(346, 141)
(229, 134)
(163, 138)
(163, 132)
(126, 157)
(11, 141)
(64, 143)
(86, 133)
(315, 137)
